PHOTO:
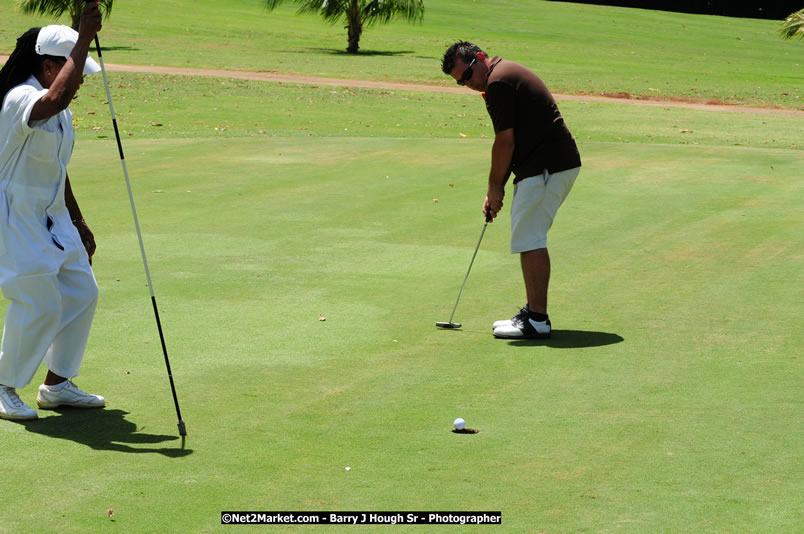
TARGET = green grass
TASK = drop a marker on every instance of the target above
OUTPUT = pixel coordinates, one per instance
(151, 106)
(174, 106)
(668, 400)
(575, 48)
(653, 408)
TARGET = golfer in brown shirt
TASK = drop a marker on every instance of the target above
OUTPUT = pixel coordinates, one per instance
(532, 142)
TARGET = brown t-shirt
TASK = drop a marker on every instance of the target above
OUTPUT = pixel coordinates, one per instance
(517, 98)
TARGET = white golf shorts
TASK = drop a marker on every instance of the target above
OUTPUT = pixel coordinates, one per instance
(536, 202)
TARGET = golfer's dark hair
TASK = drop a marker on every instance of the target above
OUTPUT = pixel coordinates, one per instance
(22, 63)
(462, 49)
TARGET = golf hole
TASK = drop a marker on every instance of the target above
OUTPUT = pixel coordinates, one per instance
(465, 431)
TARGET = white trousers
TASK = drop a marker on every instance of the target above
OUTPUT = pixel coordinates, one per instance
(536, 202)
(45, 274)
(48, 318)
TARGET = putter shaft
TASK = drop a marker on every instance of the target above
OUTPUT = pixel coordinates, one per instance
(489, 218)
(483, 231)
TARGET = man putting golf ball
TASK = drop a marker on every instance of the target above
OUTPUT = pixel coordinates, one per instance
(532, 141)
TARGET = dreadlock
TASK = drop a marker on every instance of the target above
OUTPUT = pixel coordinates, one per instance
(22, 63)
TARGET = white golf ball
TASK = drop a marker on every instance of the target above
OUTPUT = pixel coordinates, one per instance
(459, 424)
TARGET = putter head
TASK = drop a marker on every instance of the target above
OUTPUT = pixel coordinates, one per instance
(448, 325)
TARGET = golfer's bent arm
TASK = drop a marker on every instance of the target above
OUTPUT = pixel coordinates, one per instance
(68, 80)
(502, 152)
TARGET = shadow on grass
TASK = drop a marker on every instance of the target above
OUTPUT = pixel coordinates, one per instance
(570, 339)
(343, 52)
(116, 48)
(105, 430)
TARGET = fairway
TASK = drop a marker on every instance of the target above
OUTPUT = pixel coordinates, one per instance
(303, 240)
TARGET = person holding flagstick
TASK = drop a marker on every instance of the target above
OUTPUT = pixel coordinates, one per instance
(46, 247)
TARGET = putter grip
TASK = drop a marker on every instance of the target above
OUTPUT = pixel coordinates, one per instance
(489, 218)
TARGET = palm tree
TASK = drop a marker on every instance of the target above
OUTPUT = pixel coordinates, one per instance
(56, 8)
(793, 26)
(358, 13)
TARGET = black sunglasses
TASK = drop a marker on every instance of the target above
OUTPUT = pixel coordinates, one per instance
(467, 73)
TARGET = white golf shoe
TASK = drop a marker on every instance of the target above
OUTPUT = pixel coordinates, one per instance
(525, 328)
(12, 407)
(70, 395)
(521, 314)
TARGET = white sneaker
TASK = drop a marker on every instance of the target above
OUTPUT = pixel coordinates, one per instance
(521, 314)
(524, 329)
(69, 396)
(12, 407)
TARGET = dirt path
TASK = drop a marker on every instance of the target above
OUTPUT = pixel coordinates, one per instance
(273, 76)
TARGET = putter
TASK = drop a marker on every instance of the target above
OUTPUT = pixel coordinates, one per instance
(182, 429)
(450, 324)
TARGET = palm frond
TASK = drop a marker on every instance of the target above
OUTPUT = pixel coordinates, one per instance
(357, 13)
(48, 8)
(382, 11)
(330, 10)
(57, 8)
(373, 12)
(793, 26)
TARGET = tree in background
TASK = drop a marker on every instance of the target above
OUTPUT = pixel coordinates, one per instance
(56, 8)
(358, 13)
(793, 26)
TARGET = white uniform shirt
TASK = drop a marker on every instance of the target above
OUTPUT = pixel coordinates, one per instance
(33, 171)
